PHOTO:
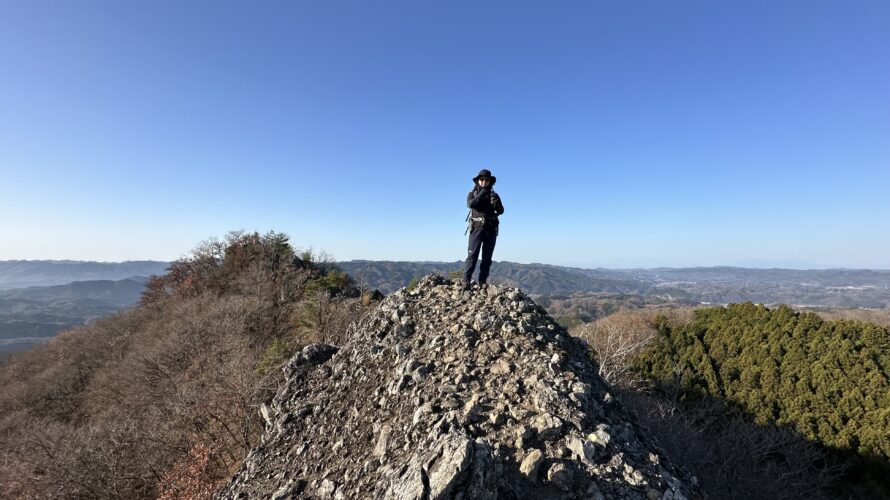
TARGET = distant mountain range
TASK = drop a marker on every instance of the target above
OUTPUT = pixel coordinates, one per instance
(25, 273)
(781, 264)
(714, 285)
(35, 314)
(74, 292)
(538, 279)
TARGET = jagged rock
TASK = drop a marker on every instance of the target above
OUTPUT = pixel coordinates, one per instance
(523, 434)
(497, 417)
(531, 463)
(441, 394)
(382, 441)
(546, 425)
(584, 449)
(312, 355)
(600, 437)
(560, 476)
(327, 489)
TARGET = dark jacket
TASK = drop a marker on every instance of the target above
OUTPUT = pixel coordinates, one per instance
(485, 204)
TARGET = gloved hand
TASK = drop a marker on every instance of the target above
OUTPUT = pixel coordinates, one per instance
(496, 203)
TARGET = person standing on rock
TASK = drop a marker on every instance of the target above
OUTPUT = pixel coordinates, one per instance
(485, 206)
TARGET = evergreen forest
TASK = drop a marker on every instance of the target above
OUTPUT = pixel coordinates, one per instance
(827, 381)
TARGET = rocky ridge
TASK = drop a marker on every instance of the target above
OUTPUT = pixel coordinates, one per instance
(442, 394)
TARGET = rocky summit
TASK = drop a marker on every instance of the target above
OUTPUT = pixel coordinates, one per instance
(441, 393)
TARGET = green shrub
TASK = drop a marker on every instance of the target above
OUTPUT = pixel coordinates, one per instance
(413, 283)
(278, 351)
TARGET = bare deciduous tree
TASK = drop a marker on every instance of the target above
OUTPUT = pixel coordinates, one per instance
(616, 339)
(163, 399)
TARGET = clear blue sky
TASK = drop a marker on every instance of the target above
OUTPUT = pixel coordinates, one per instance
(622, 133)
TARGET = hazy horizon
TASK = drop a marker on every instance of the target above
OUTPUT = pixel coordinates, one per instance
(748, 264)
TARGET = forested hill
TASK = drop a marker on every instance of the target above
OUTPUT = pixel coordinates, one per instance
(540, 279)
(716, 285)
(827, 380)
(160, 400)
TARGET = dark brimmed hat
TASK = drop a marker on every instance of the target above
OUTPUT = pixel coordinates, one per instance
(485, 173)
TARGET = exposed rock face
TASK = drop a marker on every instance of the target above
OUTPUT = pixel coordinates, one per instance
(440, 394)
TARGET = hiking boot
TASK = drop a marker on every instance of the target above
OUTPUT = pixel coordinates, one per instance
(465, 286)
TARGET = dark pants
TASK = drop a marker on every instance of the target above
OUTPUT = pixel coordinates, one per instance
(484, 239)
